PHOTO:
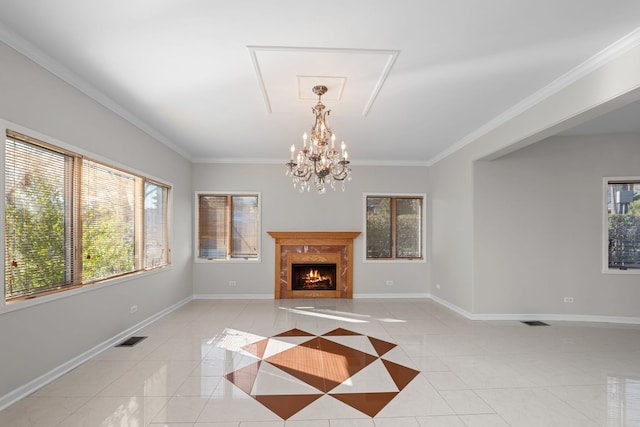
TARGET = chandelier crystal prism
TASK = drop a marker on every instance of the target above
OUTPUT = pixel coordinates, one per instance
(318, 159)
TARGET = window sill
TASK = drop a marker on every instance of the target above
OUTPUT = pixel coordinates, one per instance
(619, 271)
(19, 304)
(396, 261)
(227, 261)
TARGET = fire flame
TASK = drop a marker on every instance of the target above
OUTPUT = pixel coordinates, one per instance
(315, 276)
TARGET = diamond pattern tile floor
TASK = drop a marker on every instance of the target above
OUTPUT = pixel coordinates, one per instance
(323, 364)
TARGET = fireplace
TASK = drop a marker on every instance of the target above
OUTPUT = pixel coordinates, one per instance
(328, 254)
(313, 277)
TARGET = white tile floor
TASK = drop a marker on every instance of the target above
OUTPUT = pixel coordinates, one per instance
(472, 373)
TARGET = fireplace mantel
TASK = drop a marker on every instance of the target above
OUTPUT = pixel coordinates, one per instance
(292, 244)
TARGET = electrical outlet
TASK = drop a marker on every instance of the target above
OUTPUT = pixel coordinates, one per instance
(568, 300)
(133, 309)
(389, 282)
(232, 282)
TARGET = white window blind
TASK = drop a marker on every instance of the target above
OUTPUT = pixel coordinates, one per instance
(71, 221)
(38, 222)
(228, 226)
(108, 221)
(156, 225)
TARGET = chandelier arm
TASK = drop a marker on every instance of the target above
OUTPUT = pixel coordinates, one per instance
(342, 175)
(303, 174)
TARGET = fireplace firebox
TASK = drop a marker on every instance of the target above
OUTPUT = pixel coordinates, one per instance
(314, 277)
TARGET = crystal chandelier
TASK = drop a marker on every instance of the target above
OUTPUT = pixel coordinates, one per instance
(325, 164)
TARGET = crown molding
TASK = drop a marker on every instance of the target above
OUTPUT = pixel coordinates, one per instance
(281, 161)
(611, 52)
(29, 50)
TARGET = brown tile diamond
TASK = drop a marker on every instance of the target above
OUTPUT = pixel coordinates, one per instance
(321, 363)
(324, 365)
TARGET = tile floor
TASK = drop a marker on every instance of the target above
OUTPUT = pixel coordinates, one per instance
(348, 363)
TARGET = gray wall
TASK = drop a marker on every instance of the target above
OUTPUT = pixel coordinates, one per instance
(472, 227)
(462, 267)
(538, 228)
(451, 192)
(41, 336)
(285, 209)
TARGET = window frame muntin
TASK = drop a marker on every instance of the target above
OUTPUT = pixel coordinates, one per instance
(605, 223)
(196, 227)
(26, 135)
(423, 237)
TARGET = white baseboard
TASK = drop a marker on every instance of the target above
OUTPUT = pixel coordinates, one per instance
(42, 380)
(270, 296)
(536, 316)
(462, 312)
(390, 296)
(233, 296)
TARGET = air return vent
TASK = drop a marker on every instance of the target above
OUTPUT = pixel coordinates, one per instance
(535, 323)
(130, 342)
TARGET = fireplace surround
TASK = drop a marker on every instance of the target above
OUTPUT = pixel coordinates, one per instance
(313, 248)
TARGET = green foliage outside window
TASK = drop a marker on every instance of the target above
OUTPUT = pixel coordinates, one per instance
(379, 227)
(51, 195)
(394, 227)
(35, 235)
(107, 246)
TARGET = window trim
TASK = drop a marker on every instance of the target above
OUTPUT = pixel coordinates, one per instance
(196, 230)
(47, 142)
(605, 224)
(422, 260)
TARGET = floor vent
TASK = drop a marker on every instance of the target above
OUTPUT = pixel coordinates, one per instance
(535, 323)
(130, 342)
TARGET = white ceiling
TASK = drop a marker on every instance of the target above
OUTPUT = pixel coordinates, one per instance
(225, 81)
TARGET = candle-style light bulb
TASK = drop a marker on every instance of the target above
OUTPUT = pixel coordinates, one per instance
(333, 141)
(304, 138)
(293, 149)
(346, 155)
(343, 146)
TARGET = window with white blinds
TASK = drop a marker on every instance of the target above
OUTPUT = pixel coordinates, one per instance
(38, 219)
(71, 221)
(156, 225)
(228, 226)
(108, 221)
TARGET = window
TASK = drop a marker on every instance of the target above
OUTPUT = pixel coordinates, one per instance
(71, 221)
(394, 229)
(228, 226)
(623, 224)
(156, 224)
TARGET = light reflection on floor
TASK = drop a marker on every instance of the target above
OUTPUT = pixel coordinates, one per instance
(339, 363)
